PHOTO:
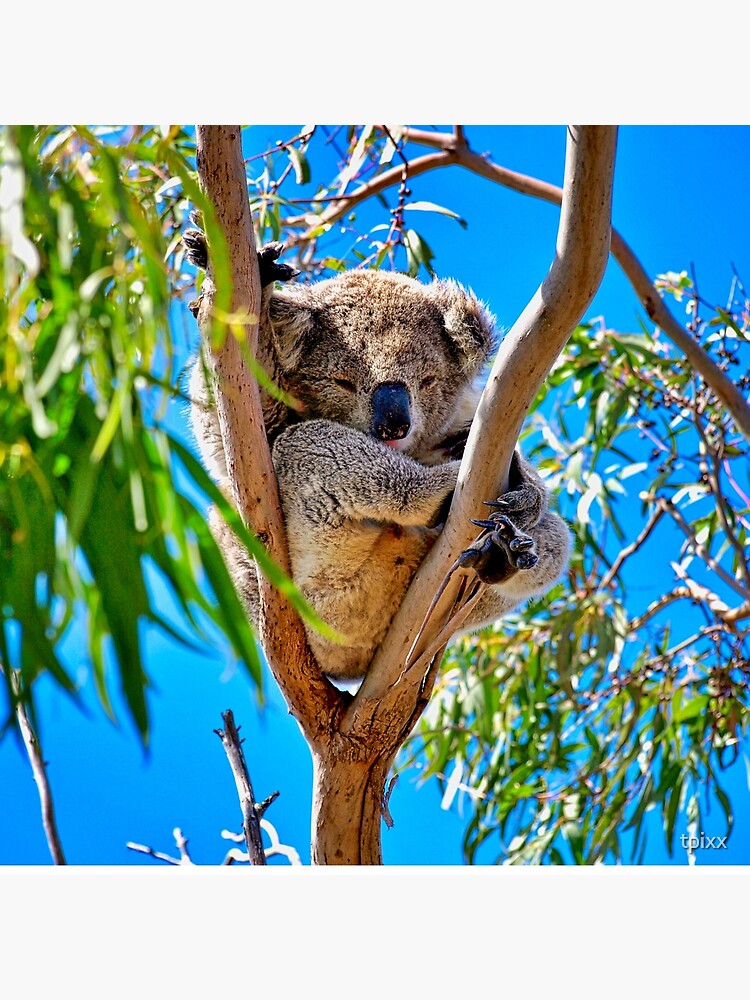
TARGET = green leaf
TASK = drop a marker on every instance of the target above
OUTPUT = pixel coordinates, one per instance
(429, 206)
(418, 253)
(254, 547)
(300, 164)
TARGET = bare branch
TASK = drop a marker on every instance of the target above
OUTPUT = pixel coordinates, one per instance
(232, 744)
(277, 847)
(143, 849)
(678, 594)
(712, 601)
(700, 550)
(182, 846)
(39, 769)
(181, 843)
(526, 355)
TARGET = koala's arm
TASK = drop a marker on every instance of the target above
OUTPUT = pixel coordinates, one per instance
(329, 473)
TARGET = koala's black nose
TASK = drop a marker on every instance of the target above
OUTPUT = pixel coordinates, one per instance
(391, 415)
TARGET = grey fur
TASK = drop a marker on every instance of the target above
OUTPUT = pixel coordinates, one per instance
(360, 513)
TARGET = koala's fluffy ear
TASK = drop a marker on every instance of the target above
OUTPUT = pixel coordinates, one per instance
(468, 323)
(292, 320)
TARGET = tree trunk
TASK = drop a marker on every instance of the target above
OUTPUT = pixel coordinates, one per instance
(348, 803)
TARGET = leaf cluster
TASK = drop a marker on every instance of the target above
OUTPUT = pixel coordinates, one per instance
(94, 535)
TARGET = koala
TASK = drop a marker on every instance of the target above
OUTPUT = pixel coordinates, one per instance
(387, 373)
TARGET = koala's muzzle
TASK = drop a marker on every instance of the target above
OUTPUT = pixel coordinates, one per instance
(391, 414)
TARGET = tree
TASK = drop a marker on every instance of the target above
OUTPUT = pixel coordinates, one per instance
(563, 736)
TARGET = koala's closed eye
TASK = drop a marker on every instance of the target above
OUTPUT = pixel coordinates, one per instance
(344, 383)
(427, 382)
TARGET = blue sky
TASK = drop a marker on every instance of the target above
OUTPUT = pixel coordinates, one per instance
(680, 199)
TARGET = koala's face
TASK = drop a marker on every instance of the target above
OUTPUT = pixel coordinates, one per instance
(380, 352)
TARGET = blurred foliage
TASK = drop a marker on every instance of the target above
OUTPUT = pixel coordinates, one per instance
(622, 695)
(89, 512)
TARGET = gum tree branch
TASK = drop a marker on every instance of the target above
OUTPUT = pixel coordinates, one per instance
(629, 550)
(353, 752)
(385, 702)
(311, 698)
(454, 149)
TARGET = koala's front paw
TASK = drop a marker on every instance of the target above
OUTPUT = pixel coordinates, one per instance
(501, 552)
(270, 271)
(196, 252)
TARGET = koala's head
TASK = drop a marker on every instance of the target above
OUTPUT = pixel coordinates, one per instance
(381, 352)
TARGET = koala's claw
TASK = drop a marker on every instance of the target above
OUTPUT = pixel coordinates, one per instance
(503, 551)
(270, 271)
(196, 252)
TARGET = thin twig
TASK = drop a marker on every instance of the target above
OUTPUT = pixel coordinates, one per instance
(700, 550)
(182, 847)
(143, 849)
(630, 549)
(387, 818)
(346, 202)
(678, 594)
(39, 769)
